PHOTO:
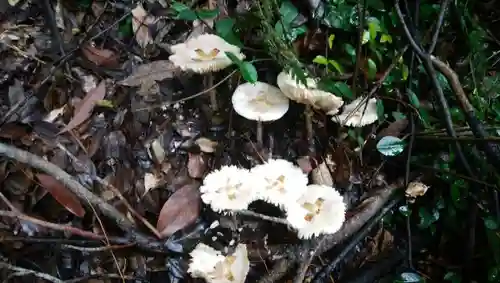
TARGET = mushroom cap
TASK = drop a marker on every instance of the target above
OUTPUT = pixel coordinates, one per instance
(204, 53)
(259, 102)
(310, 95)
(358, 113)
(320, 210)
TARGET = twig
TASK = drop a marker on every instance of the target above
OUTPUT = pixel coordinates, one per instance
(321, 276)
(426, 61)
(95, 249)
(370, 207)
(25, 271)
(80, 191)
(115, 191)
(54, 226)
(439, 23)
(264, 217)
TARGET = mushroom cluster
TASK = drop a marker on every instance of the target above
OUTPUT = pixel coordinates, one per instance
(209, 264)
(311, 209)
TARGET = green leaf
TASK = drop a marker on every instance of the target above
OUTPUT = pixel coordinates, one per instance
(350, 50)
(337, 66)
(409, 277)
(288, 12)
(337, 88)
(207, 14)
(179, 7)
(404, 72)
(330, 40)
(455, 194)
(224, 28)
(186, 15)
(380, 110)
(413, 99)
(373, 28)
(321, 60)
(372, 69)
(398, 115)
(234, 58)
(453, 277)
(490, 223)
(248, 72)
(385, 38)
(365, 38)
(288, 33)
(426, 218)
(390, 146)
(405, 210)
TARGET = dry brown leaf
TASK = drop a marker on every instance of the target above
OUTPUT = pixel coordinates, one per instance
(100, 57)
(305, 164)
(140, 22)
(180, 210)
(85, 108)
(197, 164)
(61, 194)
(394, 129)
(147, 75)
(321, 175)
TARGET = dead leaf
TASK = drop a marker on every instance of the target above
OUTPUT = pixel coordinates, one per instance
(180, 210)
(416, 189)
(100, 57)
(206, 145)
(140, 22)
(85, 108)
(197, 165)
(394, 129)
(305, 164)
(61, 194)
(321, 175)
(147, 75)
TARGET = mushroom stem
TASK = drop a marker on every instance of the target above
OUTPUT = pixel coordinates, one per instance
(260, 130)
(209, 82)
(309, 127)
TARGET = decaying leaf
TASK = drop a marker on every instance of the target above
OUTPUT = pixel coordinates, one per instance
(196, 165)
(416, 189)
(206, 145)
(321, 175)
(85, 108)
(61, 194)
(140, 22)
(305, 164)
(180, 210)
(147, 75)
(394, 129)
(151, 181)
(100, 57)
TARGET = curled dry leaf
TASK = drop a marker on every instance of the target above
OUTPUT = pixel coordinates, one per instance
(206, 145)
(140, 25)
(197, 164)
(85, 108)
(416, 189)
(61, 194)
(321, 175)
(100, 57)
(180, 210)
(147, 75)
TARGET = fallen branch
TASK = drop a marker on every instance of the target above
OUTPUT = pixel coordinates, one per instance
(83, 193)
(20, 271)
(368, 209)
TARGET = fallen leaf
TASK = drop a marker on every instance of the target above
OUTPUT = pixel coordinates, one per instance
(85, 108)
(140, 22)
(304, 163)
(197, 164)
(206, 145)
(147, 75)
(151, 181)
(416, 189)
(321, 175)
(394, 129)
(61, 194)
(100, 57)
(180, 210)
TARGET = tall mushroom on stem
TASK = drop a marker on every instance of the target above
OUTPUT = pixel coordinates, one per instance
(203, 54)
(260, 102)
(311, 96)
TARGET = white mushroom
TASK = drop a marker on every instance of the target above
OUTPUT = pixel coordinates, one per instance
(310, 94)
(260, 102)
(279, 182)
(229, 188)
(320, 210)
(358, 113)
(209, 264)
(204, 53)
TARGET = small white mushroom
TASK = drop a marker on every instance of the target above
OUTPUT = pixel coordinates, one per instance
(202, 54)
(260, 102)
(358, 113)
(310, 94)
